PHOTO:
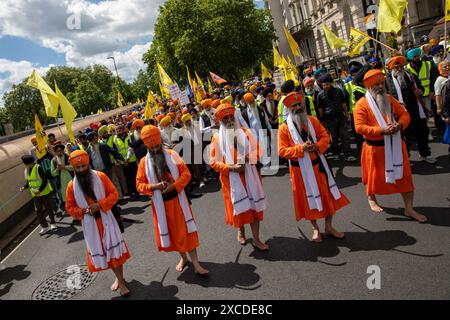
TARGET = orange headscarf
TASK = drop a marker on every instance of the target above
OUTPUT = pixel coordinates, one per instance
(224, 110)
(215, 103)
(205, 103)
(373, 77)
(151, 136)
(249, 98)
(396, 60)
(79, 157)
(138, 123)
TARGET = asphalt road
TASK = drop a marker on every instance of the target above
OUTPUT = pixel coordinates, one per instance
(413, 258)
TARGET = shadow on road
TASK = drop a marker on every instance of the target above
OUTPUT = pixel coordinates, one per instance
(223, 275)
(134, 210)
(343, 181)
(8, 275)
(437, 216)
(442, 166)
(154, 291)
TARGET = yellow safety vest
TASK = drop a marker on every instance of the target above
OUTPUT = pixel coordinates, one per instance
(123, 148)
(424, 76)
(353, 88)
(110, 143)
(312, 108)
(281, 110)
(35, 182)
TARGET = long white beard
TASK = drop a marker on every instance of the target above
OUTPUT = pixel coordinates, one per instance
(384, 104)
(400, 76)
(60, 160)
(270, 106)
(136, 135)
(299, 118)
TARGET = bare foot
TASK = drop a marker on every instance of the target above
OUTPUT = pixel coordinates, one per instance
(181, 265)
(334, 233)
(260, 246)
(201, 271)
(316, 236)
(115, 285)
(415, 215)
(375, 207)
(241, 238)
(124, 291)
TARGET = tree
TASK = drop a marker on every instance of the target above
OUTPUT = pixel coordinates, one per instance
(141, 85)
(228, 37)
(88, 97)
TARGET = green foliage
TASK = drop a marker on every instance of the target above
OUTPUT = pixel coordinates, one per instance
(227, 37)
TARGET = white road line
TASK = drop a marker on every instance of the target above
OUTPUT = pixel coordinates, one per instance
(20, 244)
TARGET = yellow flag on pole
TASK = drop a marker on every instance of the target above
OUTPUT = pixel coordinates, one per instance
(164, 91)
(276, 58)
(264, 73)
(447, 10)
(189, 78)
(163, 76)
(333, 40)
(357, 40)
(150, 106)
(48, 95)
(41, 137)
(68, 112)
(210, 89)
(120, 100)
(292, 43)
(390, 14)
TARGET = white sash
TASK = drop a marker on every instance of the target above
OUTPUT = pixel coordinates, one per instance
(307, 169)
(240, 118)
(392, 145)
(254, 197)
(113, 244)
(159, 202)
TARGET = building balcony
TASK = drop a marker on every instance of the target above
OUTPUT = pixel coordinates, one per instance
(304, 27)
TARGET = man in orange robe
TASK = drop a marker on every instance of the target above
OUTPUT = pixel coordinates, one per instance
(237, 171)
(303, 140)
(163, 175)
(385, 166)
(89, 198)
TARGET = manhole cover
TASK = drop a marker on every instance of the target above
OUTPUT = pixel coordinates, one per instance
(65, 284)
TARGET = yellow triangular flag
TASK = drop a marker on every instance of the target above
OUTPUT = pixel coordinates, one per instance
(357, 40)
(333, 40)
(41, 137)
(292, 43)
(210, 89)
(390, 14)
(150, 106)
(264, 73)
(68, 112)
(120, 101)
(277, 63)
(48, 95)
(164, 91)
(163, 76)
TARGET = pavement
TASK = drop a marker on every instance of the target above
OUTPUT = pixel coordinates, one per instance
(413, 258)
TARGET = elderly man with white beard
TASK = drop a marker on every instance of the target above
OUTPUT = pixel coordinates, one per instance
(303, 140)
(136, 142)
(384, 158)
(409, 92)
(234, 154)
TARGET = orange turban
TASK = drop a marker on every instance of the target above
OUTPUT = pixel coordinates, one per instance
(165, 121)
(131, 117)
(396, 60)
(79, 157)
(175, 102)
(172, 115)
(151, 136)
(373, 77)
(292, 98)
(224, 110)
(215, 103)
(33, 140)
(206, 103)
(249, 98)
(159, 117)
(138, 123)
(184, 111)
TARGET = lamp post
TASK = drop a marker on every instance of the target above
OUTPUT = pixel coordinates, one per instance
(117, 73)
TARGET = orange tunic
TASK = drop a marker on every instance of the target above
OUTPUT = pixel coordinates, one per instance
(180, 239)
(289, 150)
(105, 204)
(372, 157)
(218, 164)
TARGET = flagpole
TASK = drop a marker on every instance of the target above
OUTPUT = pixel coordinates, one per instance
(445, 26)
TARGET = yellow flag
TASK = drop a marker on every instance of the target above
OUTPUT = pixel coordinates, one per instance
(163, 76)
(292, 43)
(41, 137)
(264, 73)
(276, 58)
(164, 91)
(390, 14)
(357, 40)
(447, 10)
(48, 95)
(210, 89)
(68, 112)
(333, 40)
(150, 106)
(189, 78)
(120, 100)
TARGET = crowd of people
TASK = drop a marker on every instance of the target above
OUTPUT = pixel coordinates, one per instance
(384, 108)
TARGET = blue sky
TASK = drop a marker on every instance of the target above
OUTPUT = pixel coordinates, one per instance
(36, 35)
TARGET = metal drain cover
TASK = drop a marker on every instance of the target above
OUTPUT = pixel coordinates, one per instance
(65, 284)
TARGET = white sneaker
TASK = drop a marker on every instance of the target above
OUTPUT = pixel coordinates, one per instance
(428, 159)
(53, 227)
(44, 230)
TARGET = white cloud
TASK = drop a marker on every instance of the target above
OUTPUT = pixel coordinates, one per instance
(16, 71)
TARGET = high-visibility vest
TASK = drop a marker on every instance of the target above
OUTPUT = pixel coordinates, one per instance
(110, 143)
(281, 109)
(35, 182)
(353, 88)
(122, 146)
(312, 108)
(424, 76)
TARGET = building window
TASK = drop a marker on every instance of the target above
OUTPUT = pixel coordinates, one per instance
(429, 9)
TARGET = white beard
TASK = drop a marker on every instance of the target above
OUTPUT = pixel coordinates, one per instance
(60, 160)
(300, 119)
(400, 76)
(136, 135)
(384, 104)
(270, 106)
